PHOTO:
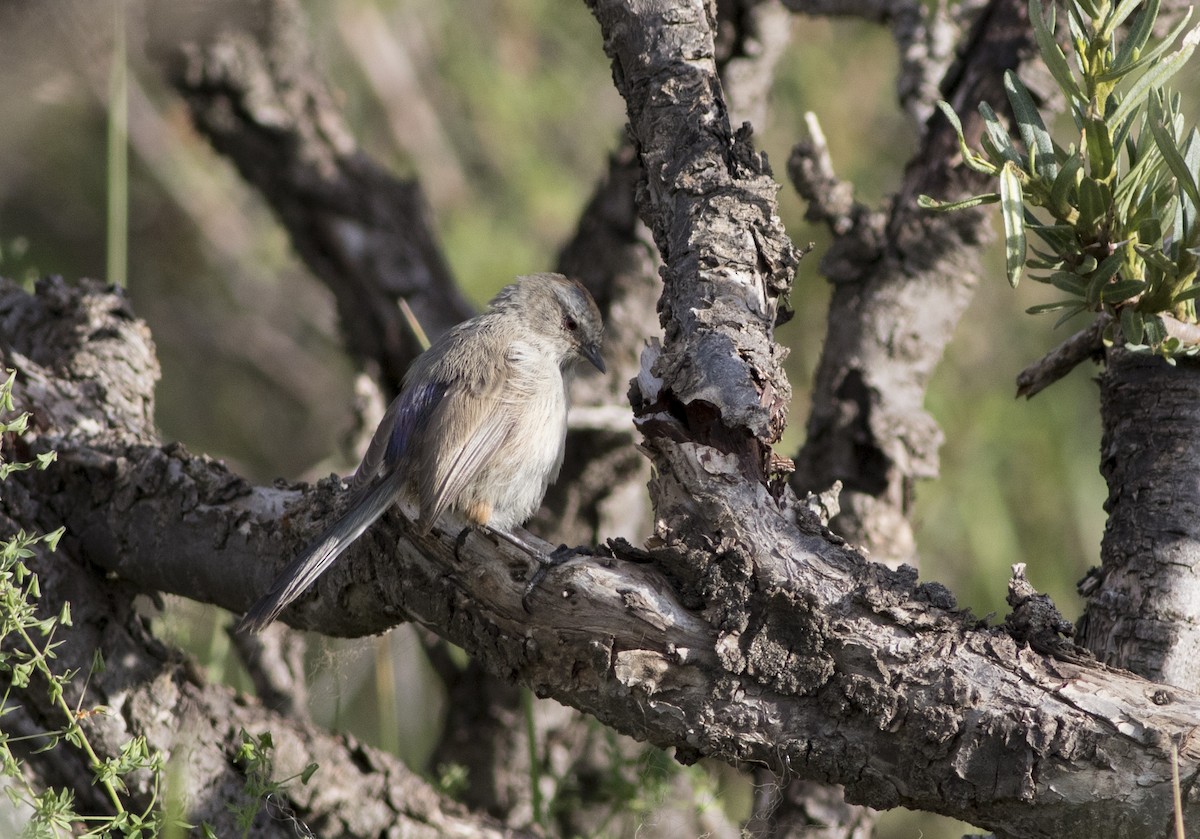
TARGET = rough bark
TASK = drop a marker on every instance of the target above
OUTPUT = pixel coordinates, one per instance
(1143, 610)
(746, 631)
(841, 670)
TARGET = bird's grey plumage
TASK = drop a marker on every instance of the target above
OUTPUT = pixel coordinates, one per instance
(478, 427)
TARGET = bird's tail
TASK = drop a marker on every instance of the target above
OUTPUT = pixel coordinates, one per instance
(305, 568)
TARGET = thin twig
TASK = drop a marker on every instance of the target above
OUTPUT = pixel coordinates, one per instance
(1085, 344)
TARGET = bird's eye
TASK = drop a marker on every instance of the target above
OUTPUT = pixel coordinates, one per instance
(570, 323)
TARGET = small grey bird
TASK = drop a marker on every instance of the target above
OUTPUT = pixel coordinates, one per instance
(479, 426)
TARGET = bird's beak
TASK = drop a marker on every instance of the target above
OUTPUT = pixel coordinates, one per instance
(592, 353)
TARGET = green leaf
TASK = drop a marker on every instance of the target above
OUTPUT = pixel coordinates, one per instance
(1190, 293)
(1191, 160)
(969, 157)
(1042, 308)
(1121, 135)
(1104, 272)
(998, 137)
(927, 203)
(1132, 325)
(1064, 184)
(1165, 139)
(1094, 201)
(1030, 125)
(1149, 231)
(1154, 331)
(1100, 148)
(1052, 54)
(1154, 78)
(1135, 40)
(1012, 209)
(1164, 44)
(1114, 293)
(1157, 259)
(51, 539)
(1060, 237)
(1123, 10)
(1068, 282)
(1042, 260)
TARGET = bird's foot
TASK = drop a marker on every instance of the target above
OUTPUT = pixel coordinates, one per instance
(545, 565)
(460, 541)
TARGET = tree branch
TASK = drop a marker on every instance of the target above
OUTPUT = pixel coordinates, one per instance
(901, 284)
(744, 632)
(841, 670)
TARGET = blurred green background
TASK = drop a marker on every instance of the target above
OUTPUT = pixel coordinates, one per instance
(505, 111)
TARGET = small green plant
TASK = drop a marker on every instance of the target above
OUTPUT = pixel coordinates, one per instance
(27, 653)
(263, 793)
(1117, 206)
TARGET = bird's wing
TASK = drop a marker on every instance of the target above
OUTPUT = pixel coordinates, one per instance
(460, 456)
(468, 427)
(404, 420)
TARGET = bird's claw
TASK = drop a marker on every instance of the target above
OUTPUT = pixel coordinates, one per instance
(459, 542)
(545, 564)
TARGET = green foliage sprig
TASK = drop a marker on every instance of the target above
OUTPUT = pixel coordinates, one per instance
(1121, 235)
(27, 654)
(261, 791)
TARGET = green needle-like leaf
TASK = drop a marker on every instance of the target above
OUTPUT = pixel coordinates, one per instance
(969, 157)
(1042, 308)
(1132, 325)
(1117, 292)
(1012, 209)
(998, 136)
(1135, 40)
(1052, 54)
(1030, 125)
(1064, 184)
(1093, 205)
(1100, 149)
(1154, 78)
(1165, 140)
(925, 202)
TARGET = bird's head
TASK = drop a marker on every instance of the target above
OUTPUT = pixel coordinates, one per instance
(561, 312)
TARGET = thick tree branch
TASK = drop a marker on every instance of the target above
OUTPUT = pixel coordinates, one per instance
(845, 671)
(766, 642)
(708, 198)
(1143, 609)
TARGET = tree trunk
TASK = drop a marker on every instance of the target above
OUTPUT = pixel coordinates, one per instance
(1143, 610)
